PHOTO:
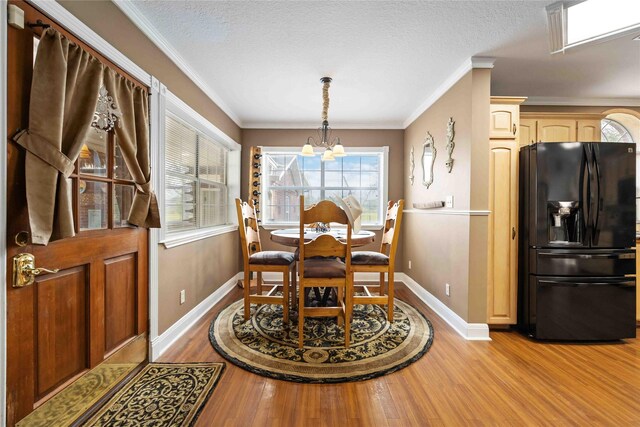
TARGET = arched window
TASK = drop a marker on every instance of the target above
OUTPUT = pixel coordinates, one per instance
(613, 131)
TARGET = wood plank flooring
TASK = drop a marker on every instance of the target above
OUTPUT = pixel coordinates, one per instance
(508, 381)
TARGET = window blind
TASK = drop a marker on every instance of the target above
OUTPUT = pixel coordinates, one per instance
(195, 182)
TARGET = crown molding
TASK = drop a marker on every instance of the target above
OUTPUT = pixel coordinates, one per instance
(584, 102)
(468, 65)
(62, 16)
(315, 125)
(127, 7)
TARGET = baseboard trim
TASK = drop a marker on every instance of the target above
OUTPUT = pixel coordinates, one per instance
(160, 344)
(469, 331)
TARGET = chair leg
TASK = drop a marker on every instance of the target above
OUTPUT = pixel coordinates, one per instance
(341, 300)
(390, 296)
(294, 285)
(259, 283)
(301, 295)
(285, 298)
(381, 284)
(348, 308)
(247, 287)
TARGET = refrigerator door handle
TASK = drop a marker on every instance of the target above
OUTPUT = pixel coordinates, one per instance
(598, 202)
(623, 283)
(614, 255)
(586, 190)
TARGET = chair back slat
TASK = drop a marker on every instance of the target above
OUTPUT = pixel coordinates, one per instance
(325, 211)
(324, 245)
(248, 227)
(391, 233)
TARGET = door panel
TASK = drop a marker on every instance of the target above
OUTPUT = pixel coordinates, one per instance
(589, 131)
(502, 286)
(504, 121)
(120, 300)
(615, 209)
(560, 177)
(61, 303)
(57, 328)
(585, 308)
(527, 132)
(556, 130)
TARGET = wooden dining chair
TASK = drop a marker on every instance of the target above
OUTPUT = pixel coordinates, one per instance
(258, 261)
(381, 262)
(321, 265)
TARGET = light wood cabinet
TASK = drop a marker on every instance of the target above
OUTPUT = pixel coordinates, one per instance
(527, 131)
(505, 119)
(559, 127)
(589, 130)
(556, 130)
(502, 283)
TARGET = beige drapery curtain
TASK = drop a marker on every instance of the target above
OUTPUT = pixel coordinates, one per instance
(64, 96)
(132, 133)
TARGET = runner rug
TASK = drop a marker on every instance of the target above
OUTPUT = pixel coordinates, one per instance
(161, 394)
(265, 346)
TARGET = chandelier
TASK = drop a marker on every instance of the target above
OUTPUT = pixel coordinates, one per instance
(333, 147)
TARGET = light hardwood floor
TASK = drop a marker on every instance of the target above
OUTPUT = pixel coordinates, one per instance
(508, 381)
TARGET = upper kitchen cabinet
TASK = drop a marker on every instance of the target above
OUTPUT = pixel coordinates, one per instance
(556, 130)
(505, 117)
(559, 127)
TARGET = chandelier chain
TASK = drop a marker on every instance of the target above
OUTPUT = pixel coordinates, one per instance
(325, 101)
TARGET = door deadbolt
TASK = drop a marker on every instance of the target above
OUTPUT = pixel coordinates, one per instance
(25, 271)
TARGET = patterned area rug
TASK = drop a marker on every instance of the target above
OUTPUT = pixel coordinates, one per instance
(264, 345)
(162, 394)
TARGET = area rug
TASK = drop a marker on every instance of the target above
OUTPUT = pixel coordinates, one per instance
(161, 394)
(264, 345)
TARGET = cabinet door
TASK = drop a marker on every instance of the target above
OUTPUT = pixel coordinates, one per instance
(504, 121)
(556, 130)
(503, 244)
(589, 130)
(527, 132)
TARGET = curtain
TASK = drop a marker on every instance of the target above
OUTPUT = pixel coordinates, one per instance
(64, 97)
(132, 134)
(64, 93)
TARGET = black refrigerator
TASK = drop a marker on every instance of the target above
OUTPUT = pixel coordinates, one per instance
(577, 258)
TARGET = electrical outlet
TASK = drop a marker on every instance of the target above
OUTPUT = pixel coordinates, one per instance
(409, 264)
(183, 296)
(447, 289)
(449, 202)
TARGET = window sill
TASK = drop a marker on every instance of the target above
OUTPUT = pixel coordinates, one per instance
(192, 236)
(276, 226)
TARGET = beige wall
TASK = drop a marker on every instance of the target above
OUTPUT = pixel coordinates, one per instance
(452, 248)
(350, 138)
(201, 267)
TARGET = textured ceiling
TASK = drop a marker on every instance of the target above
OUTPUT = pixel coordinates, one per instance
(264, 60)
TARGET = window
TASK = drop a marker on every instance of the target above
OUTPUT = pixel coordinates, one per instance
(103, 186)
(613, 131)
(195, 178)
(287, 175)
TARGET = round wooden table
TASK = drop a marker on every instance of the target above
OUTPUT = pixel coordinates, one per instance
(291, 236)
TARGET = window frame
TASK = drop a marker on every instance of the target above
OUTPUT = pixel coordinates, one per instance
(384, 181)
(170, 104)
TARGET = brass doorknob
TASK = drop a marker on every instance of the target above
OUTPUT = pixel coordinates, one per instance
(25, 271)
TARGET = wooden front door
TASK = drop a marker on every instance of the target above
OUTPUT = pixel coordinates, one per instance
(69, 322)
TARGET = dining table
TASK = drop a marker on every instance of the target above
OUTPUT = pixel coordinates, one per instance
(291, 236)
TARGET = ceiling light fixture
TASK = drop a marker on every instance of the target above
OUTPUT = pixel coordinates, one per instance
(333, 147)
